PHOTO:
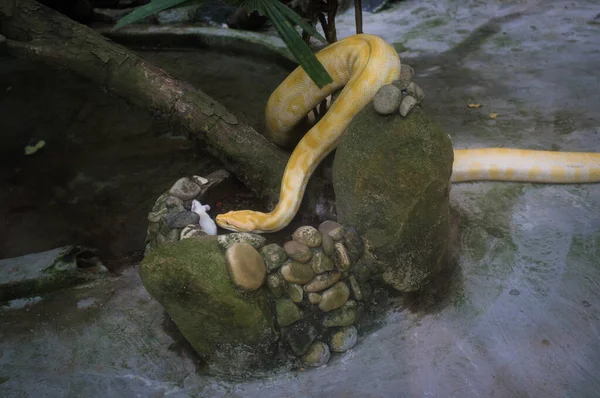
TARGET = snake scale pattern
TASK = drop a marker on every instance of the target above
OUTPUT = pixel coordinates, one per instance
(361, 64)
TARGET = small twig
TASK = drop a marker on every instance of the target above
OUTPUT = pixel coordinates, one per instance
(324, 25)
(331, 12)
(358, 16)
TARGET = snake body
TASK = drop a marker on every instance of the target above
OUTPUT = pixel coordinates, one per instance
(361, 64)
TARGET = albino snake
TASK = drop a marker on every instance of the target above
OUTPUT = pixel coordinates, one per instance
(362, 64)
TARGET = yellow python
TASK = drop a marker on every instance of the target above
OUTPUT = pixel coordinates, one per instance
(362, 64)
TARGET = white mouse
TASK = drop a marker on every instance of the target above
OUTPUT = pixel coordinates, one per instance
(206, 223)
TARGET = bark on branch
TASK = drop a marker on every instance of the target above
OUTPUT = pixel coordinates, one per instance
(36, 32)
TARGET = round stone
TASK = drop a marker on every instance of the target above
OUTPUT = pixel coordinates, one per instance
(355, 288)
(318, 354)
(255, 240)
(320, 263)
(342, 256)
(353, 240)
(192, 231)
(331, 228)
(387, 99)
(344, 339)
(274, 256)
(334, 297)
(406, 76)
(182, 219)
(314, 298)
(308, 235)
(408, 102)
(322, 281)
(276, 284)
(295, 272)
(287, 312)
(407, 72)
(173, 202)
(327, 244)
(415, 91)
(344, 316)
(246, 266)
(295, 292)
(297, 251)
(185, 189)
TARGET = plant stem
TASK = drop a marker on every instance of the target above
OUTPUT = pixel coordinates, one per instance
(358, 16)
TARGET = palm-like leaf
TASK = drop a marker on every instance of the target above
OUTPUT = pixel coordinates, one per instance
(281, 16)
(155, 6)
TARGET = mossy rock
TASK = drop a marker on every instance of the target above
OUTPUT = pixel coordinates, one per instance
(391, 177)
(232, 330)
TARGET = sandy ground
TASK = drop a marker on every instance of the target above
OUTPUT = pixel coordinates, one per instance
(521, 317)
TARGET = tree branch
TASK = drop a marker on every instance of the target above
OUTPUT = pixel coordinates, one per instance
(38, 33)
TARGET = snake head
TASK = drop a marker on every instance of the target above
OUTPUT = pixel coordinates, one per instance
(238, 221)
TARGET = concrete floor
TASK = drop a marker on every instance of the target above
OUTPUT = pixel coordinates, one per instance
(522, 315)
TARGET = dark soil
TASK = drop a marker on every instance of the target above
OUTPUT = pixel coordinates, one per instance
(106, 161)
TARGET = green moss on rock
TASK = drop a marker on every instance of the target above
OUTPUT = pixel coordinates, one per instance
(229, 328)
(391, 180)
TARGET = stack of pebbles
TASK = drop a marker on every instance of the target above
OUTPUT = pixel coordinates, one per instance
(316, 280)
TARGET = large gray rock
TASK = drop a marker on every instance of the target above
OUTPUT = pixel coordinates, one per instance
(391, 177)
(232, 330)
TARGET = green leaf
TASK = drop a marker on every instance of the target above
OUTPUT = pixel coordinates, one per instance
(147, 10)
(280, 15)
(299, 49)
(298, 20)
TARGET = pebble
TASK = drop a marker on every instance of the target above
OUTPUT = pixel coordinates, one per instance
(159, 204)
(276, 285)
(344, 339)
(255, 240)
(160, 239)
(387, 99)
(185, 189)
(317, 355)
(295, 292)
(173, 202)
(287, 312)
(406, 76)
(156, 216)
(314, 298)
(300, 337)
(415, 91)
(344, 316)
(327, 244)
(152, 228)
(192, 231)
(353, 240)
(163, 226)
(173, 235)
(295, 272)
(334, 297)
(322, 281)
(246, 266)
(321, 263)
(362, 270)
(408, 102)
(274, 256)
(342, 257)
(355, 288)
(181, 219)
(200, 180)
(407, 72)
(297, 251)
(331, 228)
(308, 235)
